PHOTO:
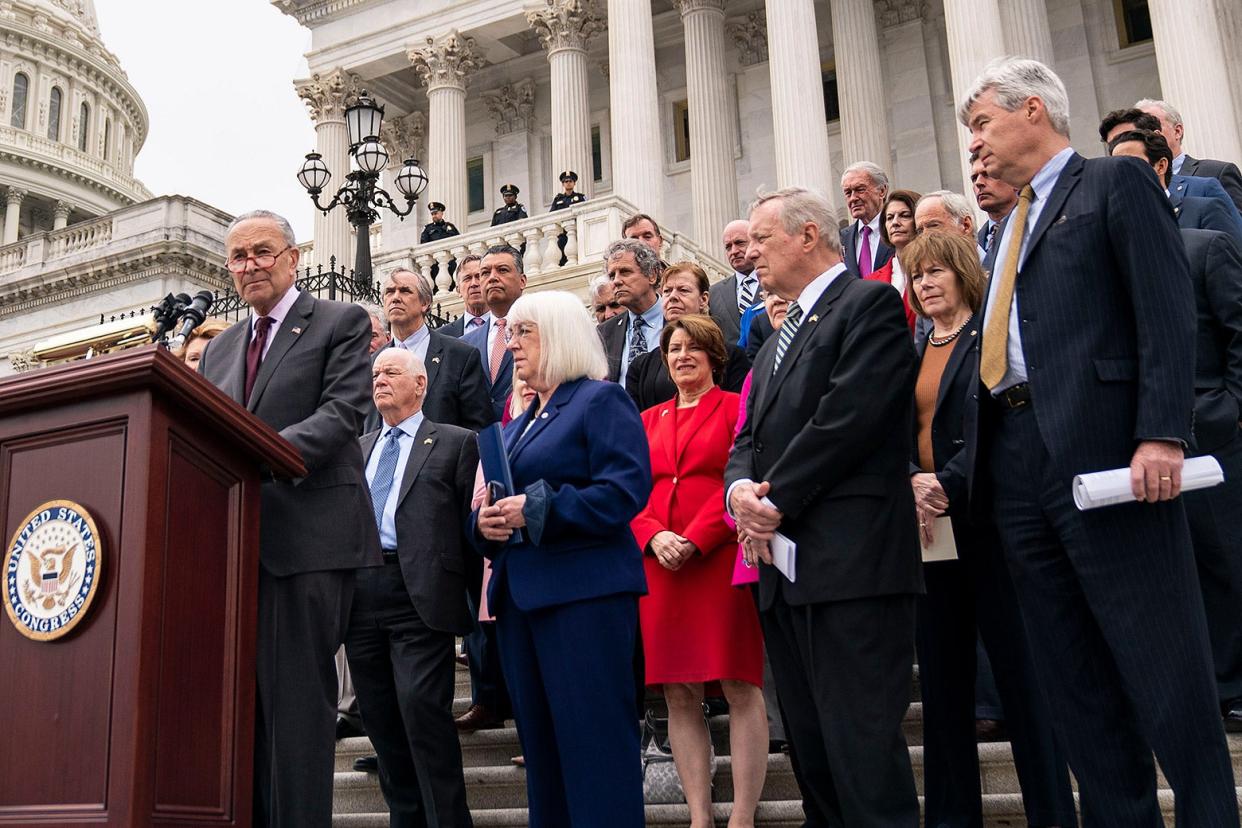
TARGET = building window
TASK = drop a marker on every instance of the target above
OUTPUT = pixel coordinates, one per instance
(84, 120)
(108, 140)
(21, 86)
(475, 184)
(681, 131)
(832, 102)
(597, 155)
(1133, 21)
(53, 114)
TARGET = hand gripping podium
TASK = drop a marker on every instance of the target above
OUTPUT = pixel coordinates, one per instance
(129, 490)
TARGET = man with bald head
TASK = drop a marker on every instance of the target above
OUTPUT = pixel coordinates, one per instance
(731, 297)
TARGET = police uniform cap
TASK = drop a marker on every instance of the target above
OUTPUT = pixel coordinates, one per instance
(435, 207)
(569, 175)
(509, 189)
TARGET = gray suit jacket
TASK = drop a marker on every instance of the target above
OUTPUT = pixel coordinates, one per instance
(1223, 171)
(722, 304)
(612, 332)
(313, 388)
(432, 507)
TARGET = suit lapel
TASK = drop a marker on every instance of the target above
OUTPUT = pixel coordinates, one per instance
(961, 348)
(229, 348)
(1056, 200)
(435, 348)
(291, 328)
(810, 321)
(424, 441)
(1177, 191)
(367, 442)
(697, 415)
(542, 418)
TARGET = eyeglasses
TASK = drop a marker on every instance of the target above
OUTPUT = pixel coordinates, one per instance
(263, 261)
(519, 332)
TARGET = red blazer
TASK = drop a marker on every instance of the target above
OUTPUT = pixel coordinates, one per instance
(687, 496)
(885, 274)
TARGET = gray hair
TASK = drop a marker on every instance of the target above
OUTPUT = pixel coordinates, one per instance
(282, 223)
(873, 171)
(377, 313)
(646, 259)
(596, 283)
(512, 251)
(799, 207)
(467, 259)
(421, 287)
(408, 359)
(569, 347)
(1013, 80)
(1175, 117)
(955, 204)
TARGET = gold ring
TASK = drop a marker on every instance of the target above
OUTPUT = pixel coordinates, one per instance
(923, 524)
(1165, 477)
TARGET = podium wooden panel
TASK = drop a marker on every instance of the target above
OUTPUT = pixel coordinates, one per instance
(144, 713)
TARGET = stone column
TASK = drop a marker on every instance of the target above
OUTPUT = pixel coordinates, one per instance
(799, 124)
(12, 213)
(860, 79)
(1194, 76)
(975, 37)
(637, 159)
(60, 215)
(404, 137)
(565, 28)
(326, 95)
(1027, 33)
(713, 176)
(444, 64)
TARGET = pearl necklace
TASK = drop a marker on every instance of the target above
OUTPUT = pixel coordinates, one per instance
(940, 343)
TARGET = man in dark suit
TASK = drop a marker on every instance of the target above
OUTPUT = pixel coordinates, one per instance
(823, 460)
(473, 305)
(407, 612)
(731, 297)
(634, 269)
(1173, 129)
(1215, 514)
(299, 364)
(994, 197)
(1109, 596)
(504, 280)
(865, 186)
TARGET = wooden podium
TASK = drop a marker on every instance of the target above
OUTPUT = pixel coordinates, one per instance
(143, 714)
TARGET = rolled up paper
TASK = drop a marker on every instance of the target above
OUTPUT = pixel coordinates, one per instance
(1106, 488)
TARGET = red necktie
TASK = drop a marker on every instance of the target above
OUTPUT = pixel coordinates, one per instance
(254, 352)
(498, 349)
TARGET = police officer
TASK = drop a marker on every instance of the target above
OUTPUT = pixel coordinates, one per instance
(568, 198)
(511, 211)
(435, 230)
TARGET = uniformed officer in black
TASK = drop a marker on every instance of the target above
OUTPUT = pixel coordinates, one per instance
(511, 211)
(438, 229)
(568, 198)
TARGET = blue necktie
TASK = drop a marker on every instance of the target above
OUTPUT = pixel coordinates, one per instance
(381, 484)
(789, 329)
(638, 340)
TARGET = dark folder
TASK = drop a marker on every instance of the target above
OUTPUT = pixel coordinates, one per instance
(495, 457)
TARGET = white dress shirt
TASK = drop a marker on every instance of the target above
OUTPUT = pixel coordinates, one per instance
(416, 342)
(405, 442)
(874, 241)
(277, 315)
(744, 279)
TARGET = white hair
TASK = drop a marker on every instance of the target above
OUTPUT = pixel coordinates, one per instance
(1014, 80)
(873, 171)
(1175, 117)
(376, 312)
(408, 359)
(286, 229)
(596, 283)
(955, 204)
(569, 347)
(799, 207)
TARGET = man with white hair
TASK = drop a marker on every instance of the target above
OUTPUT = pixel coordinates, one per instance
(865, 186)
(1173, 130)
(823, 458)
(1087, 363)
(948, 211)
(604, 304)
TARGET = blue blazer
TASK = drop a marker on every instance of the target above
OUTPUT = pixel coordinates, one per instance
(1200, 213)
(585, 468)
(498, 390)
(1182, 187)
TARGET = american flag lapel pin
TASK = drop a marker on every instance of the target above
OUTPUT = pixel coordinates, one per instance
(427, 442)
(435, 360)
(814, 317)
(296, 331)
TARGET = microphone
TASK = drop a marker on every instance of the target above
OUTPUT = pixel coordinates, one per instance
(194, 315)
(167, 312)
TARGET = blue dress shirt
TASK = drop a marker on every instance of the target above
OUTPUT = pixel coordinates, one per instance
(654, 317)
(405, 442)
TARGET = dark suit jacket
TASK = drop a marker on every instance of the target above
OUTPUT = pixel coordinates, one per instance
(722, 305)
(498, 390)
(1223, 171)
(455, 329)
(1099, 379)
(760, 331)
(957, 383)
(1216, 270)
(312, 387)
(613, 332)
(849, 243)
(1183, 186)
(831, 433)
(648, 382)
(1198, 213)
(432, 508)
(586, 471)
(457, 392)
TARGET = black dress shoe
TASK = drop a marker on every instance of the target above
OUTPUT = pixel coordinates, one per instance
(345, 728)
(1232, 713)
(990, 730)
(367, 764)
(778, 746)
(478, 717)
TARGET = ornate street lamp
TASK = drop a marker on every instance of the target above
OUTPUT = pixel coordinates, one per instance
(361, 194)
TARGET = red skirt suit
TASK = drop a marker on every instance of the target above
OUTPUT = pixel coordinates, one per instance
(697, 627)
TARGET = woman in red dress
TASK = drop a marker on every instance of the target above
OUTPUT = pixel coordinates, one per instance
(696, 627)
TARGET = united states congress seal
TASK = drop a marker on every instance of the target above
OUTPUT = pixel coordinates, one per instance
(51, 570)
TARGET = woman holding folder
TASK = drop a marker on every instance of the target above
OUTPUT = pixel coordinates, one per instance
(969, 590)
(566, 572)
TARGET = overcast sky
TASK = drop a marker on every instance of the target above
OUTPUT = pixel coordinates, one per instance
(217, 79)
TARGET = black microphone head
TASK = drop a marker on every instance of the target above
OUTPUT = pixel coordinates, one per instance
(183, 299)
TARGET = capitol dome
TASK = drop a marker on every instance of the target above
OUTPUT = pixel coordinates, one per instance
(70, 122)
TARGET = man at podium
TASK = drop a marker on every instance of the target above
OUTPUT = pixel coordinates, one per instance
(299, 364)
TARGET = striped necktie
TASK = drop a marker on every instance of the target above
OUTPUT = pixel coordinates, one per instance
(748, 294)
(385, 472)
(498, 349)
(789, 329)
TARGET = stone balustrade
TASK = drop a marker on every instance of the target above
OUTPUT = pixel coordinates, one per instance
(37, 149)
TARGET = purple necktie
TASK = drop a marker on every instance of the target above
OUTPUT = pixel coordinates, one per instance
(254, 352)
(864, 255)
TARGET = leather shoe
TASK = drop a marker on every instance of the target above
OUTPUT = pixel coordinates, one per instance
(1232, 713)
(367, 764)
(346, 728)
(478, 717)
(990, 730)
(462, 660)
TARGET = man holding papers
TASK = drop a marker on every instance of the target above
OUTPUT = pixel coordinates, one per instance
(1087, 363)
(823, 460)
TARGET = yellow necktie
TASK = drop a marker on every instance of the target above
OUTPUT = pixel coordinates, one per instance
(994, 361)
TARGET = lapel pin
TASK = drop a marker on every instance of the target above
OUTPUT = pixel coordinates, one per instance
(296, 330)
(435, 359)
(544, 415)
(427, 442)
(814, 317)
(664, 412)
(1062, 220)
(974, 333)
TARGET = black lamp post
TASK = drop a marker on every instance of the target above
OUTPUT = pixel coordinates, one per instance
(361, 194)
